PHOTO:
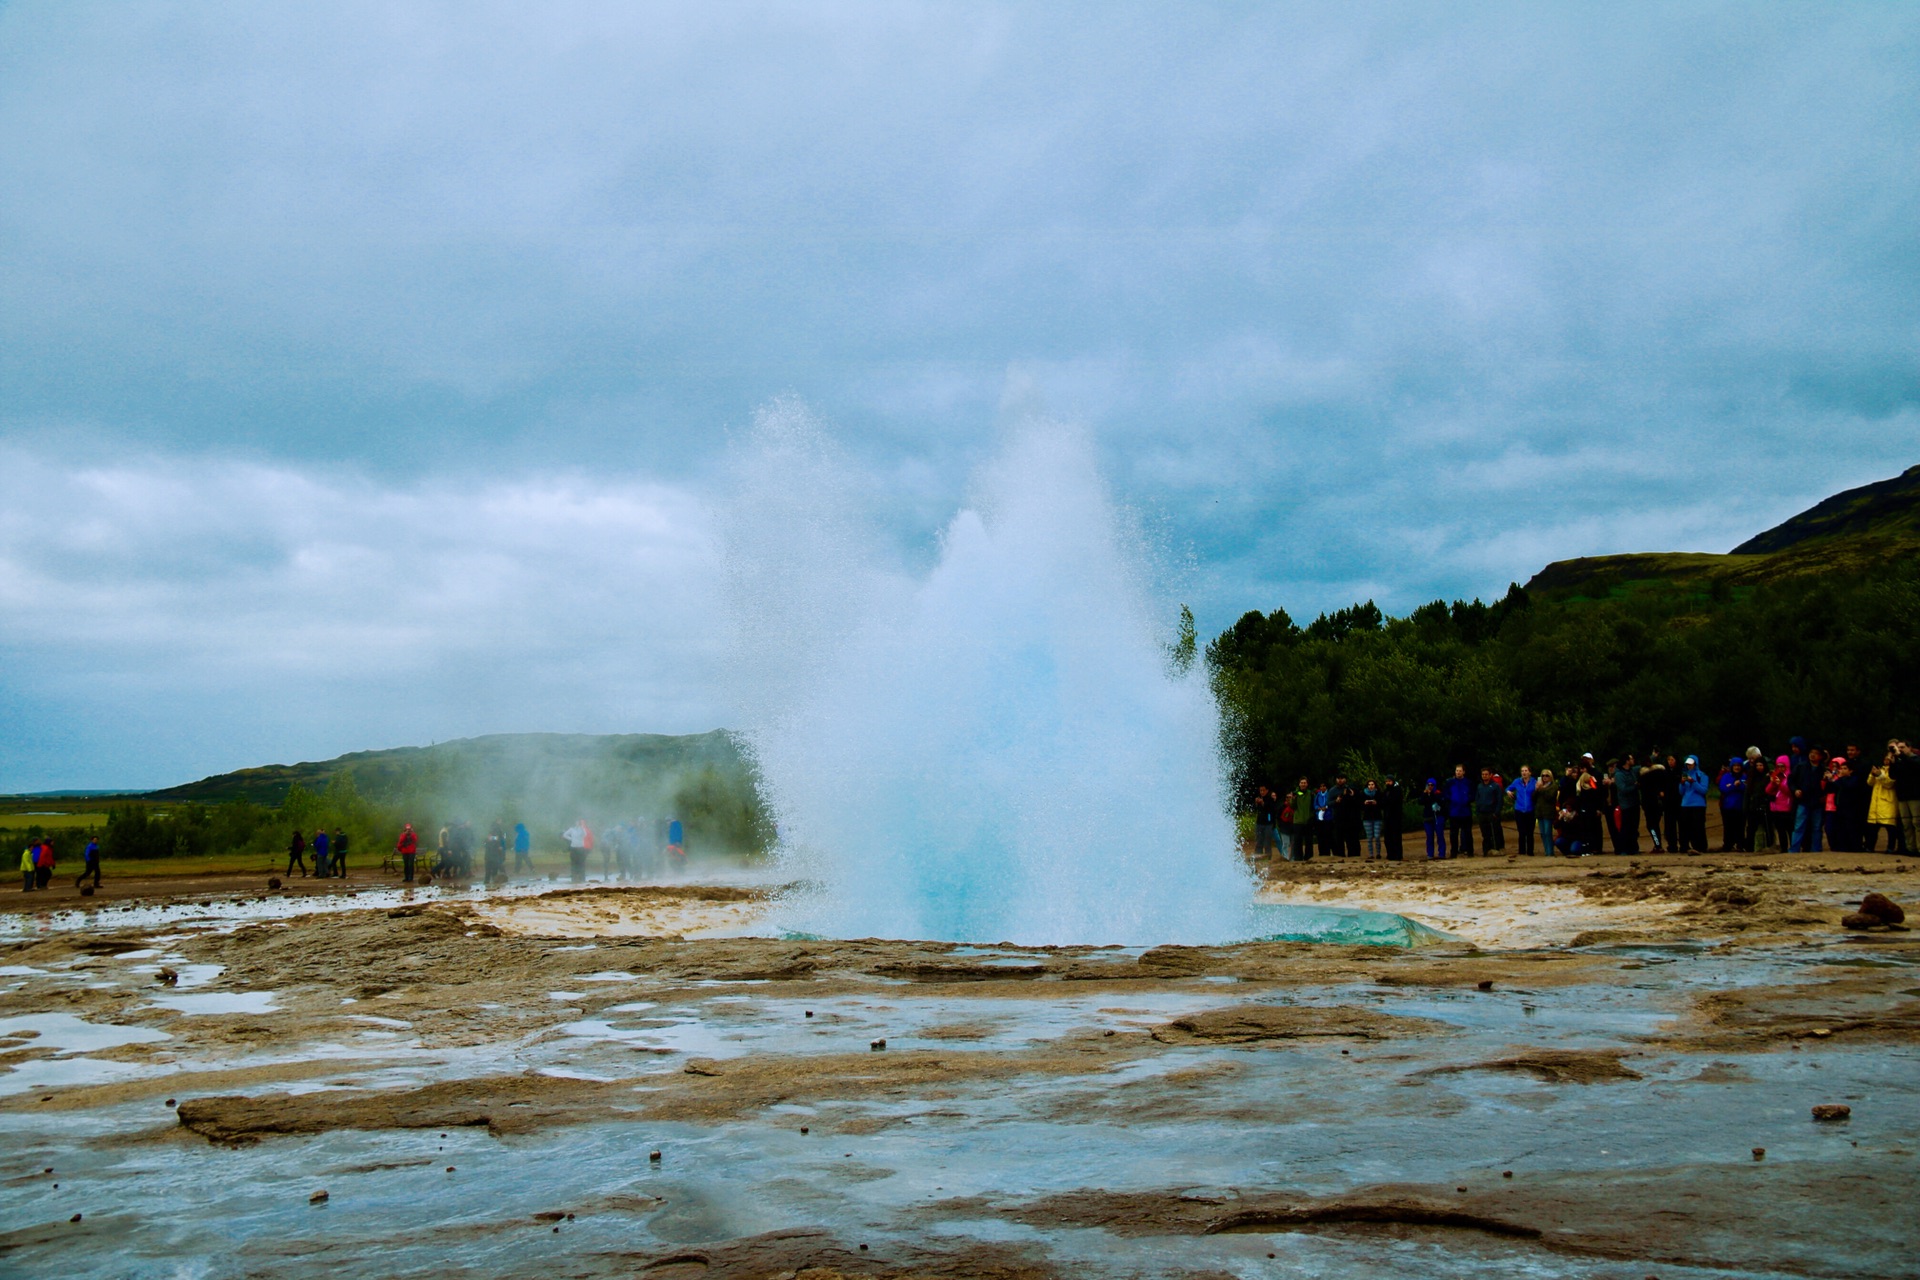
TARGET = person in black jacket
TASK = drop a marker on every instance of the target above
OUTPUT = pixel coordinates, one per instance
(1487, 804)
(1347, 818)
(296, 852)
(1653, 795)
(1393, 816)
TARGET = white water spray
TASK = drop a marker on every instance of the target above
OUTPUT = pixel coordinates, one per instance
(996, 750)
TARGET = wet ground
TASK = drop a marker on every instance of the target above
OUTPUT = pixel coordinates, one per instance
(480, 1084)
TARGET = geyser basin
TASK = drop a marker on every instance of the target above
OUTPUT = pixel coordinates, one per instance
(998, 748)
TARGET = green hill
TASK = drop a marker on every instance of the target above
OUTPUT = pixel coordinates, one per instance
(1858, 530)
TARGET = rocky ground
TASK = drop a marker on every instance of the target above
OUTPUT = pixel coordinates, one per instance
(1610, 1072)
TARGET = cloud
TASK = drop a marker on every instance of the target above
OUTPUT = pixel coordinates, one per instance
(179, 613)
(1385, 299)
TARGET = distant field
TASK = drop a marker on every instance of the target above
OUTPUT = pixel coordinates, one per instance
(51, 821)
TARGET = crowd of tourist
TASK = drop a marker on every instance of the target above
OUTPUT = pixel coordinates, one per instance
(1802, 801)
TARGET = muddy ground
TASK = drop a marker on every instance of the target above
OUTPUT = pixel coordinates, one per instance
(1609, 1071)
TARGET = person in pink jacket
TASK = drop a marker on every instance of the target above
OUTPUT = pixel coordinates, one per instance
(1780, 802)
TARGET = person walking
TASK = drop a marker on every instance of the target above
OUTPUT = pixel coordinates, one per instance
(339, 850)
(1370, 818)
(1393, 818)
(28, 856)
(43, 864)
(1733, 806)
(1692, 824)
(522, 848)
(1521, 789)
(408, 847)
(89, 864)
(1883, 810)
(1459, 791)
(297, 853)
(1433, 817)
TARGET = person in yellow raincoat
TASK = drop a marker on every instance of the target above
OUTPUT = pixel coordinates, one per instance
(1882, 811)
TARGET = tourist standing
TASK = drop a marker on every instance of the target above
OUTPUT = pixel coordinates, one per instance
(321, 866)
(28, 856)
(522, 848)
(1905, 772)
(297, 852)
(1733, 806)
(1653, 796)
(1692, 822)
(1433, 818)
(1264, 822)
(1346, 816)
(1803, 779)
(1521, 789)
(43, 864)
(1543, 801)
(1882, 809)
(340, 852)
(443, 851)
(1847, 799)
(1780, 803)
(1393, 818)
(576, 838)
(1459, 791)
(1626, 805)
(1370, 817)
(1302, 804)
(496, 855)
(1759, 830)
(408, 847)
(1488, 802)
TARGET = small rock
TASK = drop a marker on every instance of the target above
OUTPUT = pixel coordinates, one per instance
(1759, 1153)
(273, 882)
(1460, 1189)
(809, 1013)
(1832, 1111)
(1820, 1033)
(1881, 907)
(653, 1156)
(1506, 1173)
(76, 1218)
(86, 891)
(167, 977)
(318, 1197)
(1485, 984)
(449, 1168)
(878, 1045)
(1860, 920)
(804, 1129)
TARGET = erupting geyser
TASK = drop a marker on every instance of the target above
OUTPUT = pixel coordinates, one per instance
(997, 749)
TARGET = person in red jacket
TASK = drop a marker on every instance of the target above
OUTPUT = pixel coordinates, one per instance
(408, 847)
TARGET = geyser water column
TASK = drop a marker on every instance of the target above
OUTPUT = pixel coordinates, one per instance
(996, 749)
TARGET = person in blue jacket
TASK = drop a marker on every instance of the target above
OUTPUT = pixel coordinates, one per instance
(1459, 793)
(1733, 806)
(522, 848)
(1693, 789)
(1521, 789)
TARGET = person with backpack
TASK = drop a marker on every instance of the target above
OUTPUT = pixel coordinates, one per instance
(297, 853)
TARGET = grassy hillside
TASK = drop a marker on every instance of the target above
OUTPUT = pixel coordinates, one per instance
(1852, 532)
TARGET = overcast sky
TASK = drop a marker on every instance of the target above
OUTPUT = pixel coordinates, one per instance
(366, 372)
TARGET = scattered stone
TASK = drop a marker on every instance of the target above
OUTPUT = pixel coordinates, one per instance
(318, 1197)
(653, 1157)
(1759, 1153)
(170, 1102)
(1506, 1173)
(1832, 1111)
(1883, 908)
(1820, 1033)
(804, 1129)
(76, 1218)
(1861, 920)
(1485, 984)
(878, 1045)
(273, 882)
(86, 891)
(167, 977)
(809, 1013)
(449, 1168)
